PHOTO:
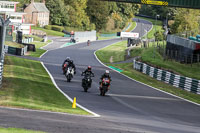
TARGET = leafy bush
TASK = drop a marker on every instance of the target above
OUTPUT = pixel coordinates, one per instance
(48, 27)
(57, 28)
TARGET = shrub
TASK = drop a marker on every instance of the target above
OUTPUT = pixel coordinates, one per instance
(48, 27)
(57, 28)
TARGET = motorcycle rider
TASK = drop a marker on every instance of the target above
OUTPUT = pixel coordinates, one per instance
(88, 72)
(105, 75)
(69, 63)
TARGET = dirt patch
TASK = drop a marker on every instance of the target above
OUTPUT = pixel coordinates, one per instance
(111, 59)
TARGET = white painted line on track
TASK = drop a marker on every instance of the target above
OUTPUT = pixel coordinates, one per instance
(141, 82)
(46, 45)
(43, 54)
(52, 79)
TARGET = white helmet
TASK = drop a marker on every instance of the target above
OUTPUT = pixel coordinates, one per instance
(107, 71)
(68, 58)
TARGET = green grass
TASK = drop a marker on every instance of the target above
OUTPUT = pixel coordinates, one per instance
(35, 38)
(26, 84)
(171, 65)
(133, 25)
(116, 50)
(14, 44)
(39, 51)
(157, 26)
(17, 130)
(49, 32)
(147, 56)
(129, 71)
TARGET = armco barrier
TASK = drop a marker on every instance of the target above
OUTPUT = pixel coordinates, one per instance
(189, 84)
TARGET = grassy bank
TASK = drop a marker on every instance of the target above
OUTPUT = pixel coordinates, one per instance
(39, 51)
(49, 32)
(132, 27)
(14, 44)
(112, 53)
(26, 84)
(17, 130)
(147, 55)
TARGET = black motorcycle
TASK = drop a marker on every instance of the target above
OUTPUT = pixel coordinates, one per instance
(86, 81)
(104, 84)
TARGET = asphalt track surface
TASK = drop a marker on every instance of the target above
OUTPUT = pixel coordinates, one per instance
(128, 107)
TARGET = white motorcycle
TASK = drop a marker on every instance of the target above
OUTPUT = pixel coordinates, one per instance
(69, 74)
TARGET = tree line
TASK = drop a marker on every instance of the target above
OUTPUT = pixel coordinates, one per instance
(102, 15)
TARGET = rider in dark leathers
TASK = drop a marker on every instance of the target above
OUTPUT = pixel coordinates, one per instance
(69, 63)
(87, 72)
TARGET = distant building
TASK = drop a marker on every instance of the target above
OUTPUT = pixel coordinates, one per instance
(37, 13)
(8, 10)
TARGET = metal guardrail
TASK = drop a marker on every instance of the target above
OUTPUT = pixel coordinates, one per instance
(185, 83)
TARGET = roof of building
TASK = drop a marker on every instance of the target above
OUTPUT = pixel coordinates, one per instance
(40, 7)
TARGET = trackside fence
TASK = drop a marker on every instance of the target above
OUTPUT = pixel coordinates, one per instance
(185, 83)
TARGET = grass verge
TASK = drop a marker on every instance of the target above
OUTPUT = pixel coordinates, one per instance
(133, 25)
(49, 32)
(39, 51)
(14, 44)
(147, 56)
(26, 84)
(17, 130)
(115, 51)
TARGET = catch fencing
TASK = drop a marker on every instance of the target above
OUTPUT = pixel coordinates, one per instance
(185, 83)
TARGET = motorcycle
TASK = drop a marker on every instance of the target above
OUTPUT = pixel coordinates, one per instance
(104, 84)
(86, 81)
(64, 68)
(69, 74)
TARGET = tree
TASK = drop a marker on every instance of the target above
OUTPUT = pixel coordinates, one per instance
(58, 12)
(77, 15)
(98, 12)
(185, 20)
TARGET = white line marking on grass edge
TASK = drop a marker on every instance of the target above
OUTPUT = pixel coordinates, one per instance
(43, 54)
(52, 79)
(143, 83)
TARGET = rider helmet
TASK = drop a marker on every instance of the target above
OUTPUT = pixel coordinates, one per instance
(68, 58)
(89, 68)
(107, 72)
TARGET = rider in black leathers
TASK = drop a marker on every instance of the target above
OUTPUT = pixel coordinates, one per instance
(87, 72)
(69, 63)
